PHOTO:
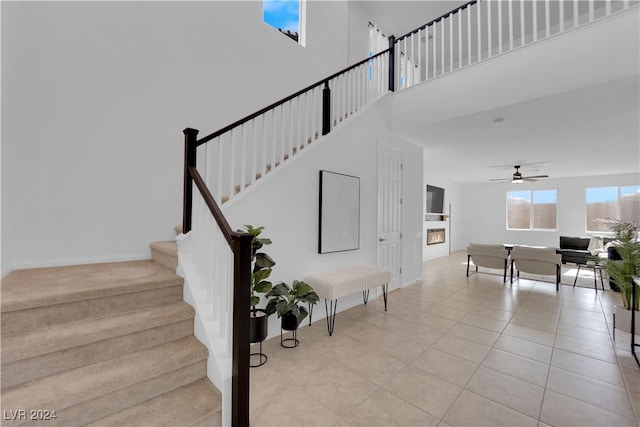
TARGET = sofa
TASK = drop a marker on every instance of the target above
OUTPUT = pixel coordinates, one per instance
(576, 249)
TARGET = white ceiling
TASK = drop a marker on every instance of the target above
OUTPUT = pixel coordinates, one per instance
(570, 105)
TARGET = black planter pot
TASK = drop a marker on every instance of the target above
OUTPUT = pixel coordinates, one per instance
(290, 322)
(258, 330)
(258, 325)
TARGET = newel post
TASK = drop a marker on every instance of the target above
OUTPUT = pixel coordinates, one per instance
(240, 345)
(326, 109)
(190, 145)
(392, 66)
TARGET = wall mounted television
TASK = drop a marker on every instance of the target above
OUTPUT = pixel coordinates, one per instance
(435, 202)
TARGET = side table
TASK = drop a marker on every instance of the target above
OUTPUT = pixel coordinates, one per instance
(597, 268)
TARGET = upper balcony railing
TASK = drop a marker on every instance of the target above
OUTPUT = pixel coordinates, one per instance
(481, 30)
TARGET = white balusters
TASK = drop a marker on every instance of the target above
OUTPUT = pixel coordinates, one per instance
(459, 38)
(469, 9)
(450, 22)
(522, 23)
(510, 18)
(489, 44)
(547, 19)
(479, 30)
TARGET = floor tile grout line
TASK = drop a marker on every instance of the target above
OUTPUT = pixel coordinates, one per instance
(546, 383)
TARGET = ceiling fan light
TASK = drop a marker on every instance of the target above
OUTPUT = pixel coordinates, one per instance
(517, 181)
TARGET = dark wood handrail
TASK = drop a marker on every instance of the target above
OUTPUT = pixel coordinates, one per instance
(283, 100)
(456, 10)
(225, 228)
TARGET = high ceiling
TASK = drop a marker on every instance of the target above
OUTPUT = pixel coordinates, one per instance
(567, 107)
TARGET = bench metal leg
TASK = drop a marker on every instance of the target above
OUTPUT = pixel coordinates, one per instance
(331, 314)
(385, 289)
(365, 296)
(310, 312)
(468, 261)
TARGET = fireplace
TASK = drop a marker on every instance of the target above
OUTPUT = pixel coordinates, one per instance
(435, 236)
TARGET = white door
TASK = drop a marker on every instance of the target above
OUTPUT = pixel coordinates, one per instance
(390, 213)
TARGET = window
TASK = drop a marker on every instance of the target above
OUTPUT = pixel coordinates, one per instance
(611, 203)
(377, 43)
(285, 16)
(532, 210)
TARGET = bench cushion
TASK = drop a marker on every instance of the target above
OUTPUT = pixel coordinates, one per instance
(346, 281)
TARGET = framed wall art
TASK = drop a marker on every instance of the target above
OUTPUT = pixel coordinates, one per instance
(339, 225)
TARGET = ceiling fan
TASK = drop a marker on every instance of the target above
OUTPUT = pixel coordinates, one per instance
(517, 177)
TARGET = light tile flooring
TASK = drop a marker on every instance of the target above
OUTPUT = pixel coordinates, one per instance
(456, 351)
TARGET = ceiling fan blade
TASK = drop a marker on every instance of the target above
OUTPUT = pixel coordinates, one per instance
(535, 176)
(500, 179)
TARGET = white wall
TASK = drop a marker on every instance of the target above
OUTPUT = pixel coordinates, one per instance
(484, 209)
(286, 204)
(95, 98)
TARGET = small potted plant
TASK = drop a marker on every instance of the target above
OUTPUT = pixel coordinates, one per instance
(623, 270)
(261, 271)
(287, 302)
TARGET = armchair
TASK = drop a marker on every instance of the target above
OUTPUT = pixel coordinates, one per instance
(488, 256)
(543, 261)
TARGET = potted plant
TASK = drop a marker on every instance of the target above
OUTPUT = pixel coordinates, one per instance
(261, 270)
(623, 270)
(287, 302)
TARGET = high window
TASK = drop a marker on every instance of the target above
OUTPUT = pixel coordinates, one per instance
(286, 16)
(605, 203)
(532, 210)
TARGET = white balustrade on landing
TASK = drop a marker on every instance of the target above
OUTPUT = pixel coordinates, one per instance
(488, 28)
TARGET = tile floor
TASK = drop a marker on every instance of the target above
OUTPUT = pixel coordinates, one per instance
(456, 351)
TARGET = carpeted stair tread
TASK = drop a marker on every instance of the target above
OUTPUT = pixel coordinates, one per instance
(76, 386)
(165, 253)
(41, 341)
(185, 406)
(24, 289)
(169, 247)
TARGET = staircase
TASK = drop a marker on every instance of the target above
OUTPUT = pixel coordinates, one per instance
(105, 345)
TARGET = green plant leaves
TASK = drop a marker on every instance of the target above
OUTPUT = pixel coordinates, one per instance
(285, 299)
(262, 287)
(622, 271)
(254, 301)
(262, 264)
(264, 261)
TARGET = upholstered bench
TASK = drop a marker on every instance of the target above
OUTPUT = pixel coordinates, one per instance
(335, 284)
